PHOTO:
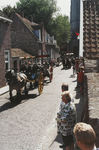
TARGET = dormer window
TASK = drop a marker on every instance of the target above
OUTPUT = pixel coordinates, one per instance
(40, 35)
(45, 37)
(48, 38)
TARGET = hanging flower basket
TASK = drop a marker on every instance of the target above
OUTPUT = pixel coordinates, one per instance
(31, 56)
(24, 57)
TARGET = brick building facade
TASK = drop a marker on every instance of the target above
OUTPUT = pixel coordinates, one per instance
(22, 35)
(5, 47)
(31, 37)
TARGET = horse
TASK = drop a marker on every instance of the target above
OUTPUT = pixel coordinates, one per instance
(16, 82)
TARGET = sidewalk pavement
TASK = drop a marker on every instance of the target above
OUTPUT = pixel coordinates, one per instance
(4, 89)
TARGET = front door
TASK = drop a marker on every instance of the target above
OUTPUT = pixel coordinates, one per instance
(15, 66)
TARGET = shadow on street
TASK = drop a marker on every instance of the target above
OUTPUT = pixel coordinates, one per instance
(7, 105)
(23, 99)
(57, 139)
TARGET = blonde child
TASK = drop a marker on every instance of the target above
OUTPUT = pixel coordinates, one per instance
(85, 136)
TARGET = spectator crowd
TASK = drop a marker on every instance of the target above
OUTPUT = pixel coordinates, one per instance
(73, 133)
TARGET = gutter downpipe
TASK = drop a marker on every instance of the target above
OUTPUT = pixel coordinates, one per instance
(81, 30)
(5, 19)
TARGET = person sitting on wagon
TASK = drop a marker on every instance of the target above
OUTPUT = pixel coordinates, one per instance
(46, 65)
(45, 69)
(35, 68)
(23, 68)
(29, 70)
(29, 67)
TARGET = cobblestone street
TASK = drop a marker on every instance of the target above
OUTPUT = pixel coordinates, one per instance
(31, 125)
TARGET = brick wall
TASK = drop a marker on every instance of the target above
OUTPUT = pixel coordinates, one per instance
(22, 37)
(91, 96)
(90, 66)
(5, 44)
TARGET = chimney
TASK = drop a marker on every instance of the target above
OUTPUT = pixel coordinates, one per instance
(31, 18)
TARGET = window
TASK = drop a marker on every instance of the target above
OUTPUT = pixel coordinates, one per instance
(45, 37)
(40, 35)
(7, 60)
(48, 38)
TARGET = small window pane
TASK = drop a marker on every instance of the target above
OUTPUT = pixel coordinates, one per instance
(6, 66)
(6, 56)
(7, 60)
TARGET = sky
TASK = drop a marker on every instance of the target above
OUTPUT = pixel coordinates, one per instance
(65, 7)
(63, 4)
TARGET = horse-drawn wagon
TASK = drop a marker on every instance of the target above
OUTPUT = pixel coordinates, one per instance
(18, 81)
(28, 77)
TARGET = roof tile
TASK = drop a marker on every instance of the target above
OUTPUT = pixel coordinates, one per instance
(91, 28)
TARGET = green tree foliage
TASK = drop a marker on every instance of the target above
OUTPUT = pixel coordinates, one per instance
(60, 28)
(40, 10)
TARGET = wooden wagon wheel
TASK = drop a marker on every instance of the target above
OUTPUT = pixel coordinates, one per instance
(51, 73)
(40, 84)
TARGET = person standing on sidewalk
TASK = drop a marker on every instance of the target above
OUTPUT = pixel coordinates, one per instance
(81, 79)
(73, 64)
(85, 136)
(66, 119)
(65, 87)
(77, 64)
